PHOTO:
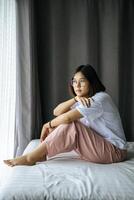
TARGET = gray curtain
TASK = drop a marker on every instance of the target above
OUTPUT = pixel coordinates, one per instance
(75, 32)
(28, 107)
(63, 34)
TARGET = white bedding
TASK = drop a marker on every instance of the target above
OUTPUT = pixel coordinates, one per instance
(67, 177)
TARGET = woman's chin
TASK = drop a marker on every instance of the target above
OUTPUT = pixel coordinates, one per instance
(79, 95)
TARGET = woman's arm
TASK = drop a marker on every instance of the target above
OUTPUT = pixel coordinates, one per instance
(65, 118)
(64, 107)
(64, 115)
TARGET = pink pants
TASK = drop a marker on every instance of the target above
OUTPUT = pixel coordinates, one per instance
(86, 142)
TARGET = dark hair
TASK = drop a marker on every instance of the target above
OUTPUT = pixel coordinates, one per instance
(90, 74)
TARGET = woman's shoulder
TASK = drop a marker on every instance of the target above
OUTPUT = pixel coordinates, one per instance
(106, 101)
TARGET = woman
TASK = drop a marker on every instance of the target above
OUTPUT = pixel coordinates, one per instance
(89, 123)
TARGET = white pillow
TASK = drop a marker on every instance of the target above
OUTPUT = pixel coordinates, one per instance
(31, 146)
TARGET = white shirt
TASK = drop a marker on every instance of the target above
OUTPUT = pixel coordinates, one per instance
(103, 117)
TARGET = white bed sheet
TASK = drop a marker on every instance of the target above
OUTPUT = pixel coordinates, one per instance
(67, 177)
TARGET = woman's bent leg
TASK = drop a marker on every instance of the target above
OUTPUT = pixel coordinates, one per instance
(86, 142)
(62, 139)
(74, 136)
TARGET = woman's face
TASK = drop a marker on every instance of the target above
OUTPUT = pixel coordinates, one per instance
(81, 85)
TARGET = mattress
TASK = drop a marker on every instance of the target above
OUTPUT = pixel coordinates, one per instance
(66, 177)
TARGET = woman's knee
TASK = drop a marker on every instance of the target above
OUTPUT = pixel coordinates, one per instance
(65, 127)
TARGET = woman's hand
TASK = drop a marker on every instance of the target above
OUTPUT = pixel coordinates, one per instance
(83, 100)
(46, 130)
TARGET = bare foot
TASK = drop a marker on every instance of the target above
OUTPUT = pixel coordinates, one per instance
(27, 159)
(22, 160)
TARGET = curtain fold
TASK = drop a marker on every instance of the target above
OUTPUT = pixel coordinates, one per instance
(71, 33)
(28, 118)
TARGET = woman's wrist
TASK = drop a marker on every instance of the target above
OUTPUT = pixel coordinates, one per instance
(50, 124)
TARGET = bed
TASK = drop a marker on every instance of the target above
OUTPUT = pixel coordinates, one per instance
(65, 177)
